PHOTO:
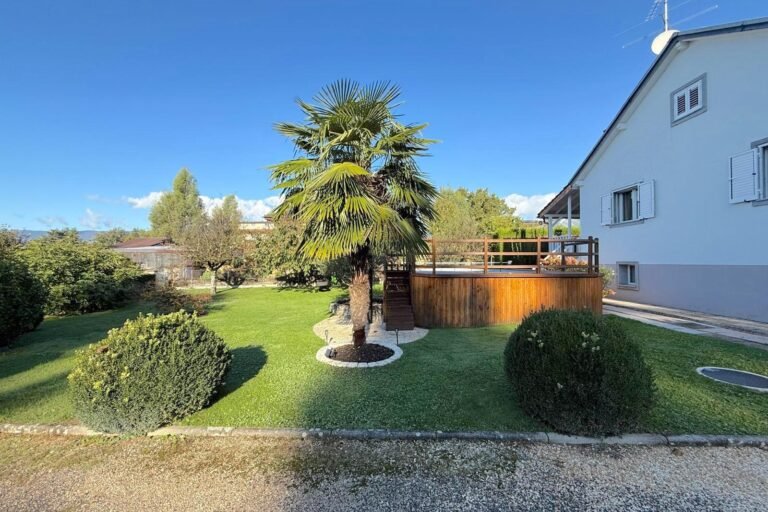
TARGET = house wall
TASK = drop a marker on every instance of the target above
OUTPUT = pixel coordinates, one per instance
(699, 252)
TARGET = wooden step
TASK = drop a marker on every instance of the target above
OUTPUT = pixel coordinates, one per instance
(397, 301)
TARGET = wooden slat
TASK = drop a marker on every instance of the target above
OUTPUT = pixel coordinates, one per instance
(467, 301)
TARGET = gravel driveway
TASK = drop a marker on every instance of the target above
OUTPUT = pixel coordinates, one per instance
(67, 473)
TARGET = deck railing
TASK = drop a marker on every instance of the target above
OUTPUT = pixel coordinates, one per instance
(546, 256)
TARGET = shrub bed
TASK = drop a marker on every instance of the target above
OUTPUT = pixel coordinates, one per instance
(22, 299)
(169, 300)
(150, 372)
(578, 373)
(81, 277)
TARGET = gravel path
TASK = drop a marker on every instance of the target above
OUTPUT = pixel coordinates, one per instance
(67, 473)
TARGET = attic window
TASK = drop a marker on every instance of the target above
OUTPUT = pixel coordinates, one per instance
(689, 99)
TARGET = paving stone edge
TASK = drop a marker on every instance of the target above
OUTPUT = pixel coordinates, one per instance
(384, 434)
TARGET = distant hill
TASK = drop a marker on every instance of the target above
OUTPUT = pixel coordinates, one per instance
(29, 234)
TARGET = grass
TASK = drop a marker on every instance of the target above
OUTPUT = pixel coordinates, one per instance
(450, 380)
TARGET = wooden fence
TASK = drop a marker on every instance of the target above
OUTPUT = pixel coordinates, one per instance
(544, 256)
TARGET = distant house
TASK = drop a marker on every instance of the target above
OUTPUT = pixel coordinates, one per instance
(255, 227)
(160, 257)
(676, 189)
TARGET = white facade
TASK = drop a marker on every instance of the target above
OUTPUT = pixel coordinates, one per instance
(692, 244)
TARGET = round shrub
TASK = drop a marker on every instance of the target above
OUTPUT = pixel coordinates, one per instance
(150, 372)
(578, 373)
(22, 299)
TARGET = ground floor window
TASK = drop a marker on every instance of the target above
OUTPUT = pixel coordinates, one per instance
(627, 275)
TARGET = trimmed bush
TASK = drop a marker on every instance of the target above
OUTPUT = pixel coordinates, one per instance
(22, 299)
(150, 372)
(578, 373)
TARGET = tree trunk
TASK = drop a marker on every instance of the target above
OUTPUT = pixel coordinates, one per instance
(213, 281)
(359, 299)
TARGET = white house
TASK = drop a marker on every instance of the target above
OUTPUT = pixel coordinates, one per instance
(676, 189)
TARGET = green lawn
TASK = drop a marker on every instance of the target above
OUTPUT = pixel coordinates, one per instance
(450, 380)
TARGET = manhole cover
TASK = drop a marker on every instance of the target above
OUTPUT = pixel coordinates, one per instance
(736, 377)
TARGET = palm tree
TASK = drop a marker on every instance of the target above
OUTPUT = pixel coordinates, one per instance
(355, 184)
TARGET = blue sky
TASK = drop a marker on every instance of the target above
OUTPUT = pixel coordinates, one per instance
(103, 101)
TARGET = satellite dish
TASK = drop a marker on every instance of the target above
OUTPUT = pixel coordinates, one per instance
(661, 41)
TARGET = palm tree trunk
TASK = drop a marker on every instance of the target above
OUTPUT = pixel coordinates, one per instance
(359, 298)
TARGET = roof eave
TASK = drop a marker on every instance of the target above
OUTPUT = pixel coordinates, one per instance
(743, 26)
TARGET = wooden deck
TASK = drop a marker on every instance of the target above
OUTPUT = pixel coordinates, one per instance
(470, 283)
(489, 299)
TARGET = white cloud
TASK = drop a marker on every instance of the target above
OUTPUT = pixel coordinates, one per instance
(93, 220)
(52, 221)
(528, 206)
(147, 201)
(252, 209)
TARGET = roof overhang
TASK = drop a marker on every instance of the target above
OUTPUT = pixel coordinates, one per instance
(678, 42)
(558, 206)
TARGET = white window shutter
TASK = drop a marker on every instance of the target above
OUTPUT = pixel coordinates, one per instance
(647, 200)
(606, 217)
(743, 176)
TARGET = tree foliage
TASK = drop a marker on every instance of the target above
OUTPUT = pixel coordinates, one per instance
(22, 295)
(115, 236)
(215, 240)
(463, 214)
(178, 209)
(491, 213)
(80, 277)
(355, 186)
(455, 219)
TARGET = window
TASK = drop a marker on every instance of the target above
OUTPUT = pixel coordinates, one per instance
(689, 99)
(627, 277)
(628, 204)
(625, 205)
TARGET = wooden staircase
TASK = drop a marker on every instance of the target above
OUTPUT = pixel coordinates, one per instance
(398, 310)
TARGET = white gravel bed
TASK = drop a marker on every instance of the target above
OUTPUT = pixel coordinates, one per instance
(339, 330)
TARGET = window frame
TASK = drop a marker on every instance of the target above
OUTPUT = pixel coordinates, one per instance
(617, 204)
(685, 91)
(762, 171)
(628, 285)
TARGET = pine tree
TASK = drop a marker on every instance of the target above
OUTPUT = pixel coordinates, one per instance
(178, 209)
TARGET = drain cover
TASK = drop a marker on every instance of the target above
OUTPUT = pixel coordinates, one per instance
(736, 377)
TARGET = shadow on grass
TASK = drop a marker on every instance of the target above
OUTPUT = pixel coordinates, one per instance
(61, 336)
(453, 379)
(247, 362)
(33, 394)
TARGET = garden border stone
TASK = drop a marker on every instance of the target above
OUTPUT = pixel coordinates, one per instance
(397, 353)
(405, 435)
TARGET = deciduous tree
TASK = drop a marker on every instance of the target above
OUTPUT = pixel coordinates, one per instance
(214, 241)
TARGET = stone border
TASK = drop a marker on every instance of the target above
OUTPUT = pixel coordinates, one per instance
(400, 435)
(398, 352)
